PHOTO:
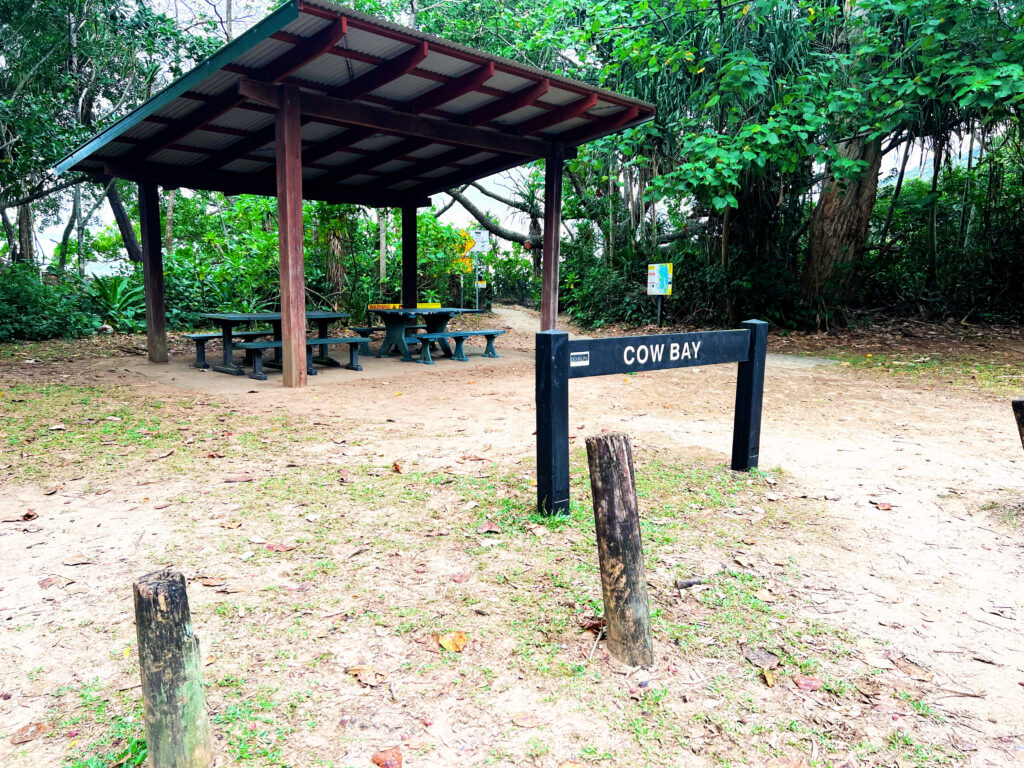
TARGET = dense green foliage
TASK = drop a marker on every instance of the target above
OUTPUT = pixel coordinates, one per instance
(34, 309)
(756, 179)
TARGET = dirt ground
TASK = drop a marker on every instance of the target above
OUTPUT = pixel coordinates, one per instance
(883, 525)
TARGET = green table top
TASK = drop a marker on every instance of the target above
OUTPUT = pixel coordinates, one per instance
(430, 311)
(256, 317)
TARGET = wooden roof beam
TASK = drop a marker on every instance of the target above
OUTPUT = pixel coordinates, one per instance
(372, 160)
(451, 90)
(502, 106)
(401, 123)
(382, 74)
(560, 115)
(597, 128)
(280, 67)
(418, 168)
(350, 136)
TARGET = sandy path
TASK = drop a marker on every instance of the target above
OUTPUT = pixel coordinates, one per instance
(936, 575)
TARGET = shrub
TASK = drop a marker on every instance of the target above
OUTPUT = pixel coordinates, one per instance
(34, 309)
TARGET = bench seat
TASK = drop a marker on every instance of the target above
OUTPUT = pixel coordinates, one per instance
(257, 347)
(458, 337)
(201, 338)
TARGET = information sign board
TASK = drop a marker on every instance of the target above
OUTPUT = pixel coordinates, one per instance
(659, 279)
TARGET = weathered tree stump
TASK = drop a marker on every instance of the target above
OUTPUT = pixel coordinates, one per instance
(1018, 414)
(177, 726)
(617, 520)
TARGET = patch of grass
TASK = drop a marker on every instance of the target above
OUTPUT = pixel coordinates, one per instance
(941, 369)
(106, 729)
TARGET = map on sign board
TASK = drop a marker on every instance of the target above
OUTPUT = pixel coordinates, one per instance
(659, 279)
(481, 241)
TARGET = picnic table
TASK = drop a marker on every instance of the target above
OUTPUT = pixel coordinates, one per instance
(229, 320)
(397, 320)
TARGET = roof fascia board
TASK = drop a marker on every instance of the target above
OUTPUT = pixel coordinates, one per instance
(275, 22)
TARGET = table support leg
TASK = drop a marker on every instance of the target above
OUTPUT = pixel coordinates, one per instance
(227, 365)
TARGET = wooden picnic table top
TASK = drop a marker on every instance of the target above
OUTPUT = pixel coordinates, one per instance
(246, 317)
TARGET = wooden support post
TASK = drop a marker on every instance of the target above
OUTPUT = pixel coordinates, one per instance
(617, 520)
(153, 271)
(552, 237)
(289, 224)
(1018, 414)
(409, 245)
(177, 726)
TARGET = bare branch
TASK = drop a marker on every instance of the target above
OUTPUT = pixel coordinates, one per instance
(490, 225)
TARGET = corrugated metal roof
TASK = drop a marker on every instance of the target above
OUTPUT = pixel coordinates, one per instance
(395, 99)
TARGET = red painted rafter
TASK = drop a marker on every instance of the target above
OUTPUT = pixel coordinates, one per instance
(382, 74)
(598, 127)
(451, 90)
(280, 67)
(560, 115)
(507, 103)
(372, 160)
(419, 167)
(338, 143)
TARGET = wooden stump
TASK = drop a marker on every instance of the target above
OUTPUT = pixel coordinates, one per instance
(1018, 414)
(177, 726)
(619, 549)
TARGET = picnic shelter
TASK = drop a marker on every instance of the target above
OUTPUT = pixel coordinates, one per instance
(320, 102)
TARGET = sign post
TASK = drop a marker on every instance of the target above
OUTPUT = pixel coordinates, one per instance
(481, 244)
(659, 283)
(559, 360)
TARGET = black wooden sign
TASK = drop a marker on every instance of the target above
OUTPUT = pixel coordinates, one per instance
(559, 360)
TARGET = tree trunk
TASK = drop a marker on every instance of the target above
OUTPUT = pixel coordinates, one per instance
(839, 224)
(169, 221)
(124, 225)
(66, 237)
(26, 235)
(12, 237)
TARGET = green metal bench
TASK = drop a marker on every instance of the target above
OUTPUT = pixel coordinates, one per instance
(458, 337)
(201, 338)
(257, 347)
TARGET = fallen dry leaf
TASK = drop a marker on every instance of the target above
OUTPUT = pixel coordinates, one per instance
(769, 677)
(396, 467)
(280, 547)
(57, 428)
(488, 527)
(388, 758)
(760, 657)
(78, 560)
(231, 524)
(24, 517)
(364, 673)
(460, 578)
(51, 491)
(55, 581)
(878, 661)
(30, 732)
(527, 719)
(765, 596)
(238, 479)
(453, 641)
(437, 532)
(213, 581)
(807, 683)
